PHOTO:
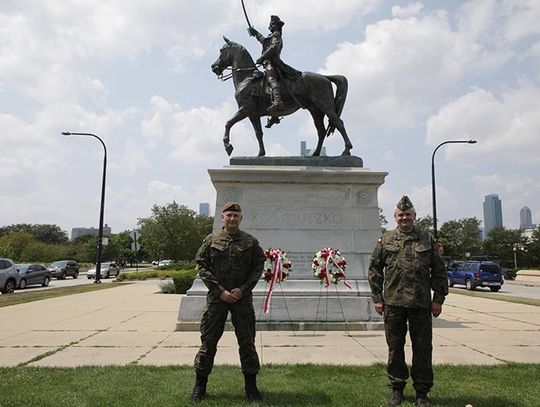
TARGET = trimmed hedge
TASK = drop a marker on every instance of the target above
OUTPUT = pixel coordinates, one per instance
(183, 282)
(182, 279)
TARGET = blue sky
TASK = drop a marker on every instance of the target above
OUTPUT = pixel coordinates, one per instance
(137, 73)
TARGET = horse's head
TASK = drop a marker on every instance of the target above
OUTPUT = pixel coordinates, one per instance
(231, 55)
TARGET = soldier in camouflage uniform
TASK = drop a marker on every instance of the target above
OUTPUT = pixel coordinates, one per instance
(405, 267)
(229, 262)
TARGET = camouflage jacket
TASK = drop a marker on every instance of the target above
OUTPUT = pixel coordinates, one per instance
(225, 262)
(404, 268)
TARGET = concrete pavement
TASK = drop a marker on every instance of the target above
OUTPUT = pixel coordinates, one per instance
(135, 324)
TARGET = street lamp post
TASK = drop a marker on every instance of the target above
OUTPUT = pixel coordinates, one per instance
(433, 194)
(515, 255)
(101, 210)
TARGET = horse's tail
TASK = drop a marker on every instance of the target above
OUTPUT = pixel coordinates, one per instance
(342, 87)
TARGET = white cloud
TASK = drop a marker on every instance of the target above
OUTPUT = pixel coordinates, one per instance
(410, 10)
(407, 65)
(522, 19)
(324, 15)
(506, 128)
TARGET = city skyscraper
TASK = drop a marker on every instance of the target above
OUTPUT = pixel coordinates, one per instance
(525, 218)
(492, 213)
(204, 209)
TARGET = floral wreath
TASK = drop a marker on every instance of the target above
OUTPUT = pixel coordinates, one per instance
(276, 269)
(272, 256)
(329, 266)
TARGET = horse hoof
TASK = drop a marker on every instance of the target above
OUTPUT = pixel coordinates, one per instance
(261, 154)
(346, 152)
(229, 149)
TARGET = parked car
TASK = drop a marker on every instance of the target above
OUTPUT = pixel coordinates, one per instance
(9, 276)
(108, 269)
(30, 274)
(63, 268)
(452, 269)
(474, 274)
(165, 262)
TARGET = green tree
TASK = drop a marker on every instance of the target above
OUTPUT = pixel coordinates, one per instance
(500, 242)
(83, 249)
(173, 232)
(461, 236)
(41, 252)
(425, 223)
(533, 250)
(122, 242)
(17, 241)
(50, 234)
(6, 251)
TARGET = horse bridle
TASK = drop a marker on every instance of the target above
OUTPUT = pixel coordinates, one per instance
(228, 76)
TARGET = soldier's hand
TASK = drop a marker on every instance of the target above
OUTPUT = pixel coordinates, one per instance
(252, 31)
(379, 307)
(226, 296)
(259, 61)
(436, 309)
(237, 293)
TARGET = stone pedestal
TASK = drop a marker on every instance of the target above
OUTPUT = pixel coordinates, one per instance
(290, 204)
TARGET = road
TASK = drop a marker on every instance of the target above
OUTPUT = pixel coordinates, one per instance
(68, 282)
(513, 289)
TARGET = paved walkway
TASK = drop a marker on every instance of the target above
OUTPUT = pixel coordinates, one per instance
(134, 324)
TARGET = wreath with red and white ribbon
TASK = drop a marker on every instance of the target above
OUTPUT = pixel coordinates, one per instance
(276, 269)
(329, 266)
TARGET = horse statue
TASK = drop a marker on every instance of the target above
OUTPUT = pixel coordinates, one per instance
(309, 91)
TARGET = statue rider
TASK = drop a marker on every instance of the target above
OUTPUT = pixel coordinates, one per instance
(274, 67)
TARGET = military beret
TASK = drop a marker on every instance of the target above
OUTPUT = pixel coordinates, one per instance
(231, 207)
(404, 203)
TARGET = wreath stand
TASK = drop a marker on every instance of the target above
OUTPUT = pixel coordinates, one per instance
(270, 316)
(315, 324)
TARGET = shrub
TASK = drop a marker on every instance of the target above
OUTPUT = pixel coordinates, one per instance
(167, 287)
(509, 274)
(183, 282)
(180, 265)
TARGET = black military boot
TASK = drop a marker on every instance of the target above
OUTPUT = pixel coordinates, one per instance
(277, 104)
(252, 392)
(422, 400)
(396, 397)
(199, 391)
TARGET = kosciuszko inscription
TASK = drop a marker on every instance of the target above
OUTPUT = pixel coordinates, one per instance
(296, 219)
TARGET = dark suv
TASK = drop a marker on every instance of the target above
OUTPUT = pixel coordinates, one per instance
(63, 268)
(476, 274)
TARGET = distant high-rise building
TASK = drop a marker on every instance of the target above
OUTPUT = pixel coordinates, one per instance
(306, 152)
(525, 218)
(78, 232)
(204, 209)
(492, 213)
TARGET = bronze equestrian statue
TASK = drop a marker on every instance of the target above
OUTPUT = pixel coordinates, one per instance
(309, 91)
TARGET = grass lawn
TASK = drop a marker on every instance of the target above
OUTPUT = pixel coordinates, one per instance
(20, 298)
(508, 385)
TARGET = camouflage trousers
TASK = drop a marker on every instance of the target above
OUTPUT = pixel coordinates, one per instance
(420, 331)
(212, 326)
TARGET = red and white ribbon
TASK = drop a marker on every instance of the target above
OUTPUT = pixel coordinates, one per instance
(277, 276)
(327, 273)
